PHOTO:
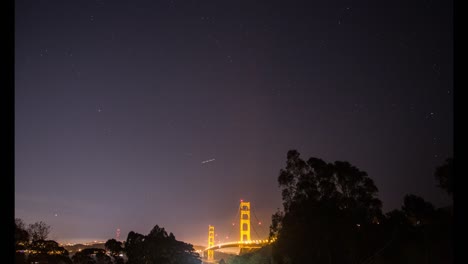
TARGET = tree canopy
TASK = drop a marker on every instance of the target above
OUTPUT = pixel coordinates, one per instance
(91, 256)
(21, 234)
(47, 251)
(159, 247)
(39, 231)
(114, 246)
(327, 206)
(331, 214)
(444, 176)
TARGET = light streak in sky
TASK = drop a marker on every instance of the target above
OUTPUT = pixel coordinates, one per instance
(206, 161)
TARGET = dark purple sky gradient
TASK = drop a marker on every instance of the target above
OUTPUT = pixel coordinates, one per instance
(118, 103)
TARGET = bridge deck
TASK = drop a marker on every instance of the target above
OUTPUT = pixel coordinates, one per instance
(243, 244)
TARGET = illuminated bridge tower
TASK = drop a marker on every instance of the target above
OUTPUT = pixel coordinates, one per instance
(244, 224)
(210, 242)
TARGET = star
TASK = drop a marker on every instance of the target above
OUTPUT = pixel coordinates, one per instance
(430, 115)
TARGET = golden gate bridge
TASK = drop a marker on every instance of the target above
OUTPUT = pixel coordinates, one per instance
(245, 241)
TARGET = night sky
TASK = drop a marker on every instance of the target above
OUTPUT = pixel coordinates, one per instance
(130, 114)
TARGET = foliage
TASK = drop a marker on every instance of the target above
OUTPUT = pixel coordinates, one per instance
(21, 241)
(114, 246)
(47, 251)
(91, 256)
(329, 208)
(331, 214)
(20, 224)
(444, 176)
(417, 210)
(38, 249)
(420, 233)
(260, 256)
(158, 247)
(134, 247)
(21, 235)
(39, 231)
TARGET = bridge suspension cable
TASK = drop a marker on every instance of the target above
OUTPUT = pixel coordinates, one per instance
(258, 221)
(255, 230)
(233, 222)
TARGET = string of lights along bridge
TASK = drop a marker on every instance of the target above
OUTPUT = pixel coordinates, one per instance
(244, 241)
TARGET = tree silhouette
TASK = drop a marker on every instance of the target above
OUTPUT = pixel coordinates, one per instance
(21, 234)
(91, 256)
(102, 258)
(135, 248)
(419, 233)
(444, 176)
(47, 251)
(417, 210)
(21, 241)
(39, 231)
(114, 246)
(80, 258)
(159, 247)
(331, 207)
(39, 249)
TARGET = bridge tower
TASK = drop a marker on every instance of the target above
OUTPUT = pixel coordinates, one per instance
(244, 223)
(211, 242)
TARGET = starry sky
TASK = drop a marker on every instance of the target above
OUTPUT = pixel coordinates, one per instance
(130, 114)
